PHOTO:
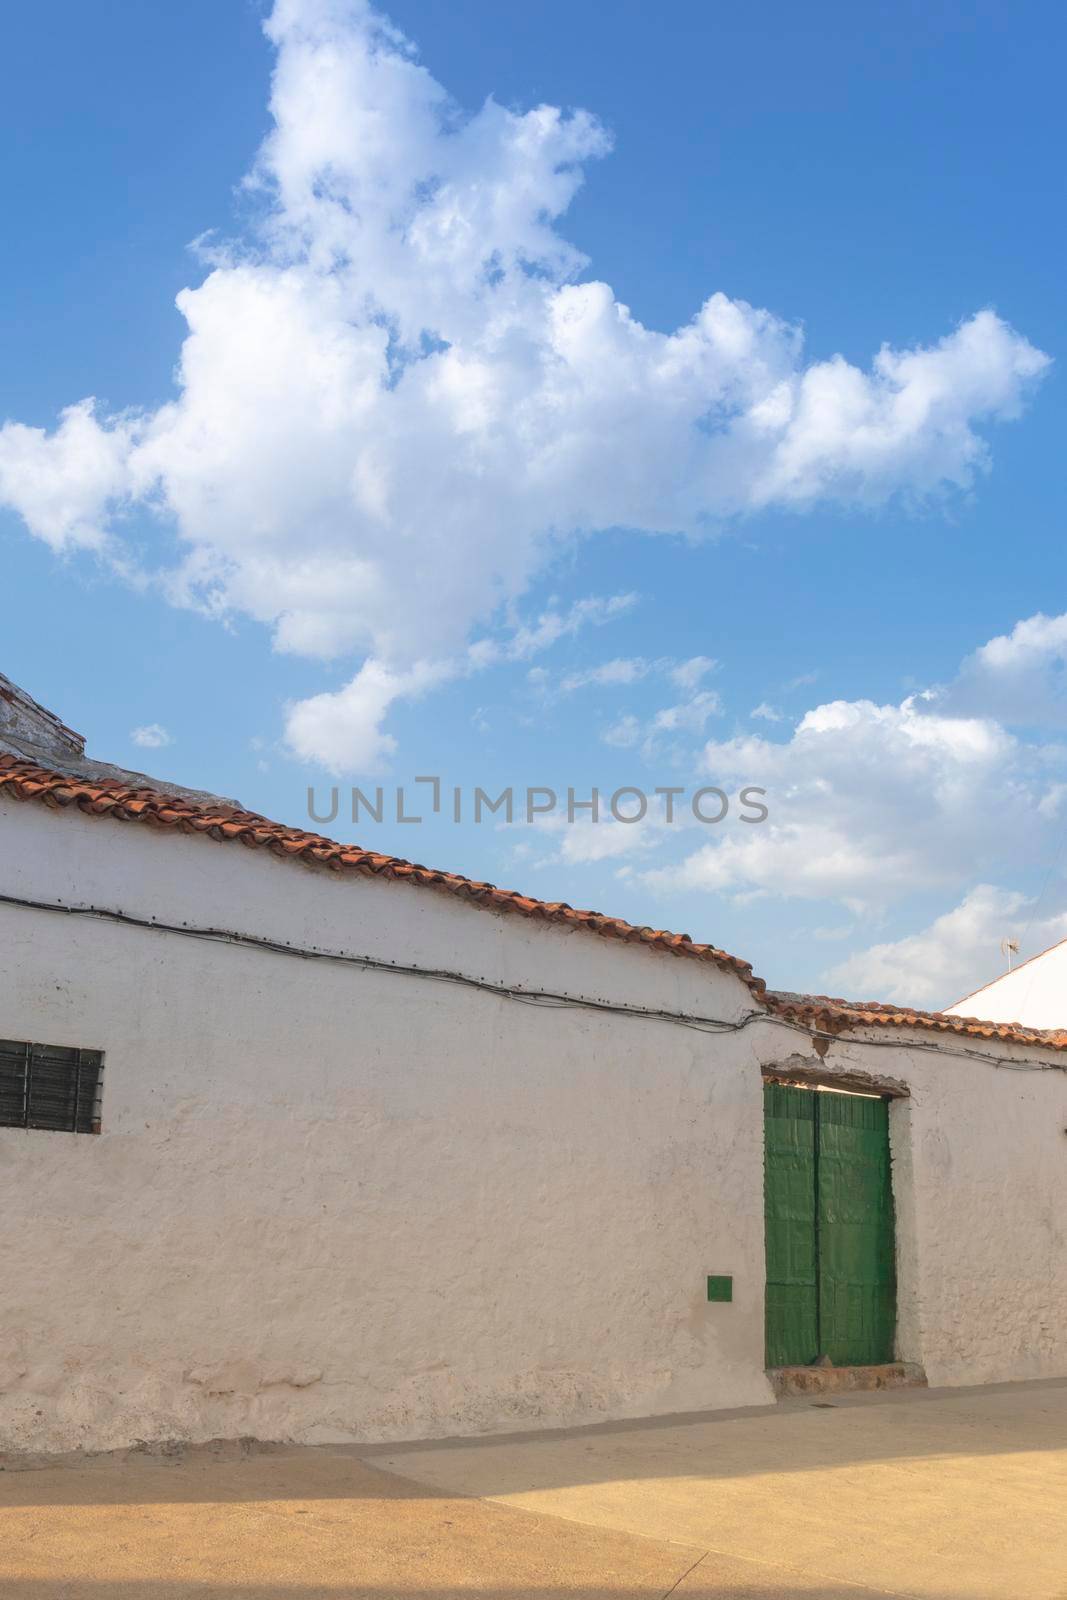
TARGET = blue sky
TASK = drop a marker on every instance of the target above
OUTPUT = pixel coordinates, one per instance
(876, 177)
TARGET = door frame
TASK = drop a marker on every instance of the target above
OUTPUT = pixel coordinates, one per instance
(799, 1072)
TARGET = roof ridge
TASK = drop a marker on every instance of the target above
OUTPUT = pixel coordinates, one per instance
(25, 780)
(834, 1015)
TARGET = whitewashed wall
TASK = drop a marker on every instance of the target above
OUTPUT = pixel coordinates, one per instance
(1034, 994)
(980, 1189)
(330, 1204)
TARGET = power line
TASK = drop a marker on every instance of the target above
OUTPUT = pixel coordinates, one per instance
(545, 999)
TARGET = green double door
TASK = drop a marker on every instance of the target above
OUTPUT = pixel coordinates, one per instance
(831, 1281)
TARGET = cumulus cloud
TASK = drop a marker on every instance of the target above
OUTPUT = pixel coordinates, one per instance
(398, 395)
(872, 803)
(584, 842)
(153, 736)
(341, 729)
(69, 485)
(1020, 677)
(957, 952)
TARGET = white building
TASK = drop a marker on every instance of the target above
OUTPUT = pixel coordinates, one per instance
(1033, 994)
(383, 1153)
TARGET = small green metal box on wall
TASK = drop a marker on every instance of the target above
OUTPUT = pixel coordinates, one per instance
(720, 1288)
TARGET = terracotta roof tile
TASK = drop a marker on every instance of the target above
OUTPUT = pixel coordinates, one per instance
(24, 781)
(835, 1016)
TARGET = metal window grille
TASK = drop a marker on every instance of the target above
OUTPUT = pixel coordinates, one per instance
(50, 1086)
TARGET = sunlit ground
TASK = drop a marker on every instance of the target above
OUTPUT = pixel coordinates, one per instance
(961, 1494)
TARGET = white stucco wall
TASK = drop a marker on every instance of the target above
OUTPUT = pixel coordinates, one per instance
(980, 1192)
(332, 1204)
(1034, 994)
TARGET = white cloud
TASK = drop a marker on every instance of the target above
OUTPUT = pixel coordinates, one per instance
(554, 624)
(153, 736)
(872, 803)
(633, 669)
(395, 402)
(584, 842)
(1020, 677)
(624, 733)
(341, 730)
(690, 717)
(69, 486)
(847, 434)
(687, 674)
(956, 954)
(609, 674)
(765, 712)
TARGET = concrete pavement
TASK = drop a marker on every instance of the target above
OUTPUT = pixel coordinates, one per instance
(958, 1496)
(953, 1495)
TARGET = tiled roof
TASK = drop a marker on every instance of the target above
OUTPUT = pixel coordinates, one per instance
(835, 1016)
(25, 781)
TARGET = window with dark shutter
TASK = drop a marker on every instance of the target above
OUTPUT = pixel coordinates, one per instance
(50, 1086)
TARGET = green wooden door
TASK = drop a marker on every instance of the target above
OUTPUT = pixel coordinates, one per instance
(789, 1193)
(829, 1224)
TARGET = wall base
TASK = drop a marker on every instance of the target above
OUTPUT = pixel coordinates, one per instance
(787, 1381)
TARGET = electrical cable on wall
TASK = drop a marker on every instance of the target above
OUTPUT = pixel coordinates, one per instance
(542, 998)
